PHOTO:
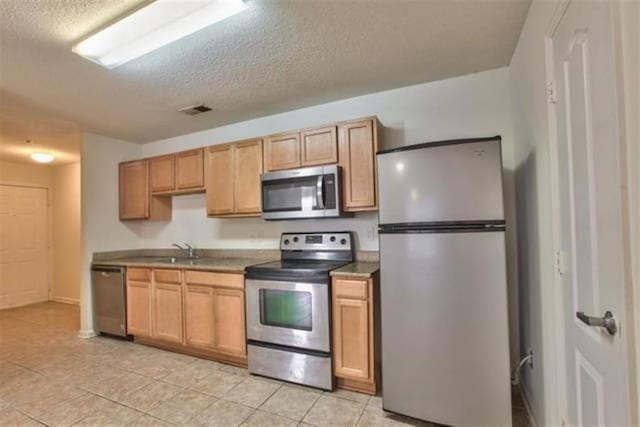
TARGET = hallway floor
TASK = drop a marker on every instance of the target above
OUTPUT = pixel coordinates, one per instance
(49, 376)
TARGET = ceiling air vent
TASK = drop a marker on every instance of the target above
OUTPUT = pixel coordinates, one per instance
(192, 110)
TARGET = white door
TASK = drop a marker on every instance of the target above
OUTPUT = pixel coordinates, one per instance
(590, 221)
(24, 267)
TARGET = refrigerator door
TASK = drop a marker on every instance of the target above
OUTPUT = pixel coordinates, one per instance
(456, 182)
(445, 352)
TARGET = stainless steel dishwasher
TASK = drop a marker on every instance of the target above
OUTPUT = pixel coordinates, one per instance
(109, 299)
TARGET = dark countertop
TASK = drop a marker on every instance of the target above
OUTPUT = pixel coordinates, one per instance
(357, 270)
(227, 265)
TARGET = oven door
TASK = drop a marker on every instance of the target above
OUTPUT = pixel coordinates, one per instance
(301, 193)
(288, 314)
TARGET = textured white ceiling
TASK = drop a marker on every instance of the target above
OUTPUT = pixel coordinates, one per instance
(279, 55)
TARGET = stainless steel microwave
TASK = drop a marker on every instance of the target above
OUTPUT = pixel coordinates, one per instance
(302, 193)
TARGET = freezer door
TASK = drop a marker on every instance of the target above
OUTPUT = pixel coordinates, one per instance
(445, 352)
(460, 182)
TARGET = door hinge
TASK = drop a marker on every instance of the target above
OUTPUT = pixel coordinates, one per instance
(561, 262)
(551, 92)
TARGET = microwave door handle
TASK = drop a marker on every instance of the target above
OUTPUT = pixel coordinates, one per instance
(320, 192)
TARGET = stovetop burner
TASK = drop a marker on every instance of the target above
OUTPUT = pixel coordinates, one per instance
(307, 254)
(298, 266)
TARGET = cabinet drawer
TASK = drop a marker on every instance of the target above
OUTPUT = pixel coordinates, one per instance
(139, 274)
(357, 289)
(167, 276)
(228, 280)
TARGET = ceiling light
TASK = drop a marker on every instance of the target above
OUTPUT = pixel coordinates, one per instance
(42, 157)
(153, 26)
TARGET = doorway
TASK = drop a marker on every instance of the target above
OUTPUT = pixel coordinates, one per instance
(24, 246)
(588, 228)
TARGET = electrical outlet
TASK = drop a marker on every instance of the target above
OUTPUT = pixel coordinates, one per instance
(530, 363)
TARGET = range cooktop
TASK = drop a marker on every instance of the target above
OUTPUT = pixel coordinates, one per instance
(306, 255)
(297, 267)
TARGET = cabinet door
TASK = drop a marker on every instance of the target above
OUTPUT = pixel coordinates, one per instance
(282, 152)
(134, 190)
(319, 146)
(357, 152)
(167, 312)
(139, 308)
(161, 173)
(220, 180)
(247, 168)
(352, 330)
(229, 323)
(199, 319)
(190, 169)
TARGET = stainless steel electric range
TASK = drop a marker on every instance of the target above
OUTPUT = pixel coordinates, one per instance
(289, 308)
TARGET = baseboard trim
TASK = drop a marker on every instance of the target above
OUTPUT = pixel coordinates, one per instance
(66, 300)
(86, 333)
(527, 405)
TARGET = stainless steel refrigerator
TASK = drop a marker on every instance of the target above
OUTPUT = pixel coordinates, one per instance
(445, 340)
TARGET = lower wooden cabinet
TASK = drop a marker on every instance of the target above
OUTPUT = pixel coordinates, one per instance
(198, 317)
(189, 310)
(354, 334)
(214, 319)
(215, 312)
(229, 321)
(139, 303)
(167, 305)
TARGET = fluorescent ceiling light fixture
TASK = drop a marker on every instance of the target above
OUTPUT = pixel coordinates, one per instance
(153, 26)
(42, 157)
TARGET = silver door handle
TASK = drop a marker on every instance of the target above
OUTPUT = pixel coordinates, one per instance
(608, 321)
(319, 195)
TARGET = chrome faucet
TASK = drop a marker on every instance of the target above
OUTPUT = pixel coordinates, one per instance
(190, 251)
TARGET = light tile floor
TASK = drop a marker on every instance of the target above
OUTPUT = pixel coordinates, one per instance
(49, 376)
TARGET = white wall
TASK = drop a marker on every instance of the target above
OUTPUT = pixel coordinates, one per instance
(468, 106)
(101, 229)
(65, 214)
(527, 77)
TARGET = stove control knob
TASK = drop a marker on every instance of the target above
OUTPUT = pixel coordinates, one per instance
(286, 241)
(332, 238)
(295, 239)
(343, 241)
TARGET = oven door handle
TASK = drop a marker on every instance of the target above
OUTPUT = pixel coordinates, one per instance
(320, 191)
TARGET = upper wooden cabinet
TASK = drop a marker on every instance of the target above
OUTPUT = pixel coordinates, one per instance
(230, 173)
(282, 152)
(219, 180)
(190, 169)
(319, 146)
(162, 173)
(233, 178)
(299, 149)
(136, 201)
(134, 190)
(357, 147)
(177, 173)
